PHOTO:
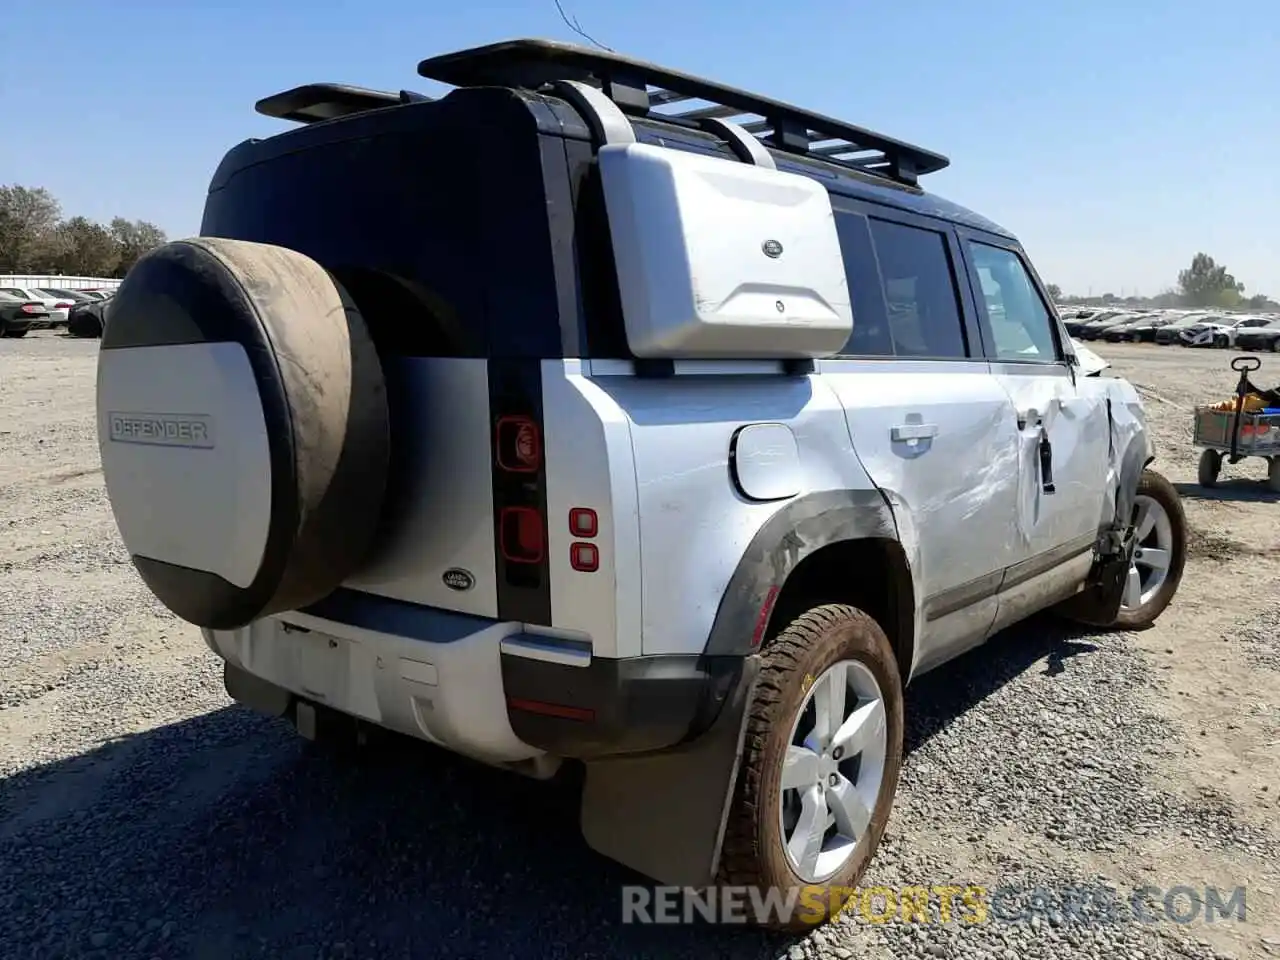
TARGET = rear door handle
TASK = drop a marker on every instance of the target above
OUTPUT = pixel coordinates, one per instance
(913, 431)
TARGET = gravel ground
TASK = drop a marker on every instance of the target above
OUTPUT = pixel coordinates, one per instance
(144, 815)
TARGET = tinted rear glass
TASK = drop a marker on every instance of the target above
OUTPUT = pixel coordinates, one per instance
(444, 246)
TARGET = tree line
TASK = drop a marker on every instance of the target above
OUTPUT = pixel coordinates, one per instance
(1205, 283)
(35, 238)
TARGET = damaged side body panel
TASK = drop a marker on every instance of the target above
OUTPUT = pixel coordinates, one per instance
(1129, 452)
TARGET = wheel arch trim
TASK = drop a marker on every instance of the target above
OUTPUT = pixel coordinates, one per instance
(796, 531)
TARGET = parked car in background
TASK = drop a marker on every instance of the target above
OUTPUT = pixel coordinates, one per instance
(1080, 322)
(1218, 331)
(1145, 332)
(21, 314)
(1137, 330)
(1095, 331)
(1260, 338)
(88, 319)
(58, 307)
(75, 296)
(1172, 333)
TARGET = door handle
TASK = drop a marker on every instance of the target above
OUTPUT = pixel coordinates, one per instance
(913, 431)
(1029, 418)
(1046, 462)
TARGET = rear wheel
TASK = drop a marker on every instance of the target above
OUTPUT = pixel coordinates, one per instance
(15, 334)
(820, 764)
(1159, 556)
(1221, 341)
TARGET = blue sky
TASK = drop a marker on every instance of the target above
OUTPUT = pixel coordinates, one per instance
(1116, 138)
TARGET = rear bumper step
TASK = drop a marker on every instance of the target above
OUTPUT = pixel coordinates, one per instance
(484, 688)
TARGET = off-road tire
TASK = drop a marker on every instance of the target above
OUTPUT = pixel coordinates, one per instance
(753, 853)
(1159, 489)
(1208, 468)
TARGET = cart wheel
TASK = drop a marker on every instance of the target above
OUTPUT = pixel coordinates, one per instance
(1210, 464)
(1273, 474)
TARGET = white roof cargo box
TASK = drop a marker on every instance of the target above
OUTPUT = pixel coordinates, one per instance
(722, 259)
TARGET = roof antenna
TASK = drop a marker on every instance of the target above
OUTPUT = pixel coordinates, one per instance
(572, 24)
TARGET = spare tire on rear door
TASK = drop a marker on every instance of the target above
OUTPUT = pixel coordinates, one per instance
(242, 419)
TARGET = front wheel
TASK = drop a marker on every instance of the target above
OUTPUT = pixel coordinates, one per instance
(1159, 555)
(820, 765)
(1208, 468)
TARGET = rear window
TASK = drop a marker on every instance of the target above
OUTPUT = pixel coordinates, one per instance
(443, 245)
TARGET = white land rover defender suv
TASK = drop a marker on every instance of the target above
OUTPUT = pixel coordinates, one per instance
(599, 412)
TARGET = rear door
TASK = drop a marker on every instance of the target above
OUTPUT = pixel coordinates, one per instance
(929, 422)
(1063, 432)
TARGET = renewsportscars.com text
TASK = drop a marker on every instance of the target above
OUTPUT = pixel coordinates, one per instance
(938, 903)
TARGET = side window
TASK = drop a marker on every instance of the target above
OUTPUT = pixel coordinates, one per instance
(1021, 325)
(919, 291)
(902, 288)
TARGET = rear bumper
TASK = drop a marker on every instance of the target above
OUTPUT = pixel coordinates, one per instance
(487, 689)
(614, 707)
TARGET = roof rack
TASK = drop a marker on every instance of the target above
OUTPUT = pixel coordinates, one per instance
(645, 89)
(328, 101)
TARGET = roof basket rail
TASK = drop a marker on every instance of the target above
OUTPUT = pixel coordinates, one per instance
(645, 89)
(328, 101)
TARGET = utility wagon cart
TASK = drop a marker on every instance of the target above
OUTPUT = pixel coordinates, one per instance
(1234, 432)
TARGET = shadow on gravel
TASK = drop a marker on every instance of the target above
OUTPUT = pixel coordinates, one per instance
(938, 698)
(1239, 490)
(226, 836)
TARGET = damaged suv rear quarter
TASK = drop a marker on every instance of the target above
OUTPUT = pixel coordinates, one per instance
(598, 412)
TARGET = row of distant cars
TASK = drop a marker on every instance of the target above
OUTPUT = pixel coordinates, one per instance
(1166, 327)
(81, 312)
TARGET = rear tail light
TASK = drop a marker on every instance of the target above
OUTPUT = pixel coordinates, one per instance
(31, 308)
(63, 306)
(521, 535)
(519, 445)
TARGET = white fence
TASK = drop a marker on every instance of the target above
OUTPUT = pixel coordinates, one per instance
(60, 283)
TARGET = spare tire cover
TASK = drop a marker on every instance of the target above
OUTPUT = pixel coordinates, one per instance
(243, 426)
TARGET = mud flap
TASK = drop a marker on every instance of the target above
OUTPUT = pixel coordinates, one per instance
(664, 814)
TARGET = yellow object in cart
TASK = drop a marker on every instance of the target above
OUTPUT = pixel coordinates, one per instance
(1252, 404)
